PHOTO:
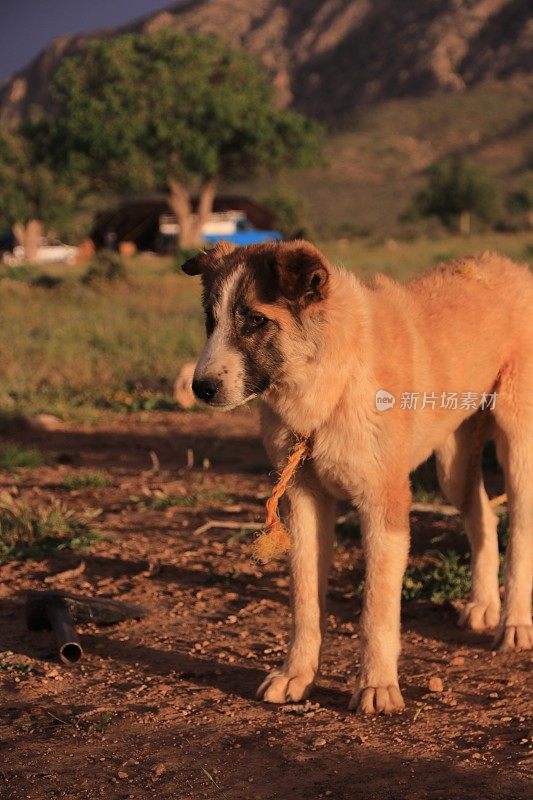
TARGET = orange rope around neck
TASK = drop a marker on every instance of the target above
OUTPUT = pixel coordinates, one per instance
(274, 541)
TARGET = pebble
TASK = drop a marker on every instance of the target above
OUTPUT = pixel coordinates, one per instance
(319, 742)
(435, 684)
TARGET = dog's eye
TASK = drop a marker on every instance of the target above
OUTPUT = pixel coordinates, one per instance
(252, 321)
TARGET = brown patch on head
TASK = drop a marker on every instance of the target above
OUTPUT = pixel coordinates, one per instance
(302, 273)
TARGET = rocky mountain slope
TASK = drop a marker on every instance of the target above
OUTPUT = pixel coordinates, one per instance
(328, 57)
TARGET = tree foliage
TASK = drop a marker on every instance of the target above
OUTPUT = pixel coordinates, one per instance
(30, 190)
(171, 111)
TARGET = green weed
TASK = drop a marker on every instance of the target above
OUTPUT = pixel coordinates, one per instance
(160, 501)
(13, 457)
(27, 532)
(86, 480)
(103, 722)
(17, 667)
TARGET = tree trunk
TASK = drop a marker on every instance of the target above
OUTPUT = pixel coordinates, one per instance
(465, 223)
(190, 223)
(29, 236)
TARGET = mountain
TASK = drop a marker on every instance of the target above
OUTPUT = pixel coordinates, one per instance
(330, 57)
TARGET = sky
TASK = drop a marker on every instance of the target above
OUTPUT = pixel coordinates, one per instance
(26, 26)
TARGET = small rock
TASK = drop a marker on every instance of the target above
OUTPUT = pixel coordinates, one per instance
(435, 684)
(122, 775)
(43, 422)
(159, 769)
(319, 742)
(457, 661)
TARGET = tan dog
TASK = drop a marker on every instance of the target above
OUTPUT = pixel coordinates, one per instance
(340, 362)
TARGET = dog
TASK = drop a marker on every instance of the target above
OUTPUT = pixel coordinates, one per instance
(337, 362)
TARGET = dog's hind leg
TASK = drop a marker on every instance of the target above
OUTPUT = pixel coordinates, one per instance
(514, 418)
(311, 524)
(453, 467)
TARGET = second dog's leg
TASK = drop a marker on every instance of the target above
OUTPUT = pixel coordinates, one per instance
(311, 524)
(386, 547)
(453, 459)
(516, 628)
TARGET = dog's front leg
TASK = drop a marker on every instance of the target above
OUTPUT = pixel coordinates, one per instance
(311, 524)
(385, 531)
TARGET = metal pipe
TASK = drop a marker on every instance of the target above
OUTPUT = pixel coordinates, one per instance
(69, 647)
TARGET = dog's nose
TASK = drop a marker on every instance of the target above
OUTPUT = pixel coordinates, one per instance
(206, 388)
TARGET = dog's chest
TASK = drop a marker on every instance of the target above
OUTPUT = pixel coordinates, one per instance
(336, 455)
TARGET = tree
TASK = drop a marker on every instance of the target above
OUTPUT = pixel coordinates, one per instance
(31, 197)
(455, 190)
(173, 112)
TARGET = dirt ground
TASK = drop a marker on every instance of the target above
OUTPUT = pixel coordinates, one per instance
(164, 707)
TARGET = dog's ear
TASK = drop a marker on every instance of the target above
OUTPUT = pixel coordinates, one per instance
(207, 259)
(302, 273)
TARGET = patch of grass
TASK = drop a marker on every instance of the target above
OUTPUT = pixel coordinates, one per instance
(448, 579)
(503, 531)
(103, 722)
(17, 667)
(27, 532)
(159, 501)
(105, 267)
(422, 495)
(86, 480)
(72, 352)
(138, 400)
(13, 456)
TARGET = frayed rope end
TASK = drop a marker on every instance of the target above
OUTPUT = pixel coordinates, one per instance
(274, 541)
(271, 543)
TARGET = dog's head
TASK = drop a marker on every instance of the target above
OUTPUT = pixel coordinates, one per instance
(259, 302)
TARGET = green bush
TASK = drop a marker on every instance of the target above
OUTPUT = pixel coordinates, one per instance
(105, 266)
(454, 189)
(521, 200)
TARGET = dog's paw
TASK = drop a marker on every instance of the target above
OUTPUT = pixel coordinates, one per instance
(514, 637)
(377, 700)
(479, 616)
(286, 687)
